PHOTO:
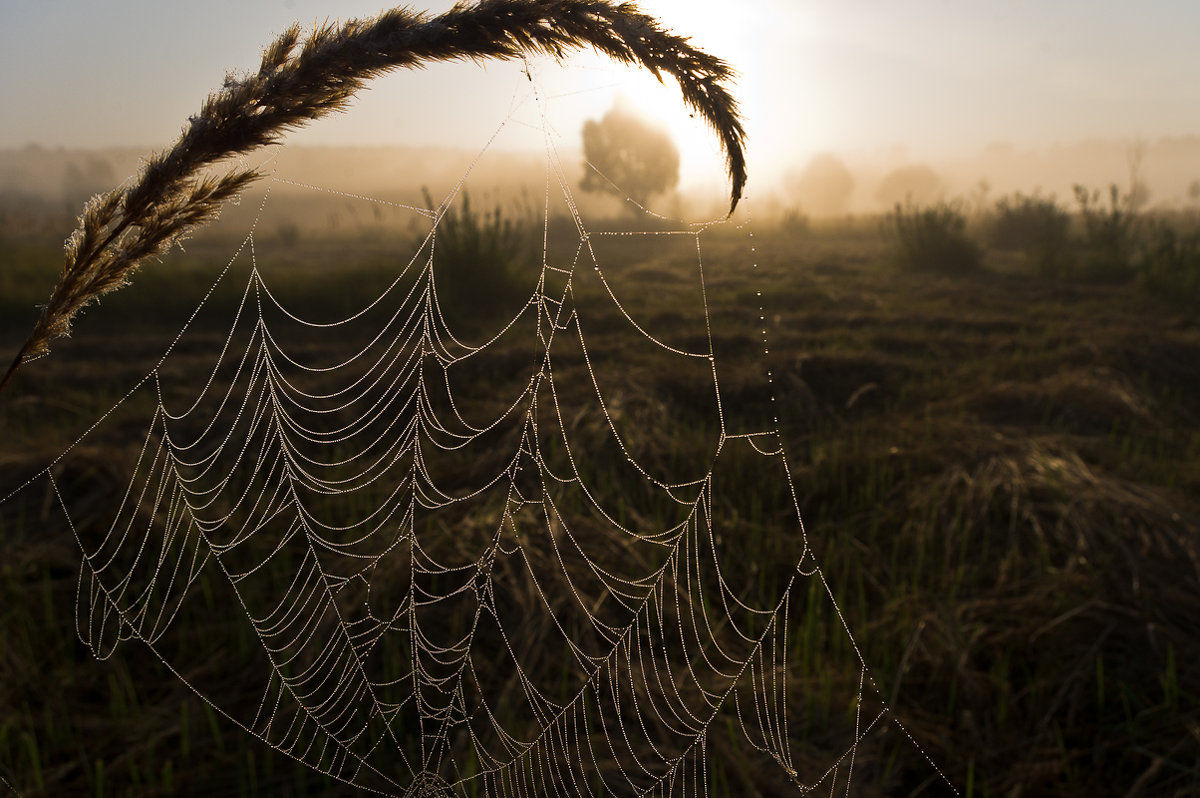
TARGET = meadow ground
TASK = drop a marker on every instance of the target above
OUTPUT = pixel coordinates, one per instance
(1000, 475)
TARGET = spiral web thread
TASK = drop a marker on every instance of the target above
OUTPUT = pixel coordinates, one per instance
(462, 568)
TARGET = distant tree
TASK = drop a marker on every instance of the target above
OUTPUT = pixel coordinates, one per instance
(917, 183)
(628, 157)
(823, 187)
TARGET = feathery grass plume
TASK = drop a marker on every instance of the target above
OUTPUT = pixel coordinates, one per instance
(297, 83)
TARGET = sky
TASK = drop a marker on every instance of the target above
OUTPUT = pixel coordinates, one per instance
(930, 78)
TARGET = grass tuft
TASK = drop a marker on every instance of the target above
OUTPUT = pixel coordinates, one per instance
(1036, 226)
(932, 239)
(478, 259)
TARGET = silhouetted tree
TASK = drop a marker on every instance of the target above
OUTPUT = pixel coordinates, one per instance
(823, 187)
(917, 183)
(628, 157)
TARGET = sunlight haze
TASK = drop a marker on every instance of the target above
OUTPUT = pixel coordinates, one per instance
(921, 79)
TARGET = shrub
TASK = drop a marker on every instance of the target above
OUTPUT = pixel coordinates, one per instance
(1109, 236)
(477, 262)
(794, 222)
(1170, 262)
(1036, 226)
(933, 239)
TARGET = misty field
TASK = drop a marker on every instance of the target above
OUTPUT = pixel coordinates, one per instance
(998, 471)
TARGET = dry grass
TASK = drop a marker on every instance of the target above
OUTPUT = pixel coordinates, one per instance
(1008, 518)
(299, 82)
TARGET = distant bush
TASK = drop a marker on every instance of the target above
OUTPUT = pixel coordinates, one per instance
(933, 239)
(823, 187)
(1114, 241)
(1037, 226)
(477, 262)
(1023, 220)
(1110, 236)
(1170, 262)
(794, 221)
(915, 183)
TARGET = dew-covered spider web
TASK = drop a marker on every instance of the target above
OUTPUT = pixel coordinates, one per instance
(475, 537)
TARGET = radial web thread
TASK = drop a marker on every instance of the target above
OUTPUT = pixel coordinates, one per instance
(475, 567)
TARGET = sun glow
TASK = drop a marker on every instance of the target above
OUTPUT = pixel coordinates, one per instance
(700, 158)
(748, 37)
(587, 89)
(720, 30)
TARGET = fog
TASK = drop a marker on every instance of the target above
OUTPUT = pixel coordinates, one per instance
(1070, 85)
(39, 183)
(1167, 169)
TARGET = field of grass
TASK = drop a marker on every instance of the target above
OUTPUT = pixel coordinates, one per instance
(999, 472)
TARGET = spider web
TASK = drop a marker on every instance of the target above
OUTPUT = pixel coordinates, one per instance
(491, 566)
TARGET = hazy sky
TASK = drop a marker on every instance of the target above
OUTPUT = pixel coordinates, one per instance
(941, 77)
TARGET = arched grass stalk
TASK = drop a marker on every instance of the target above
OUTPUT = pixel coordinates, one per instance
(299, 82)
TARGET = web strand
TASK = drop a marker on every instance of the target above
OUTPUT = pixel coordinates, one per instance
(448, 586)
